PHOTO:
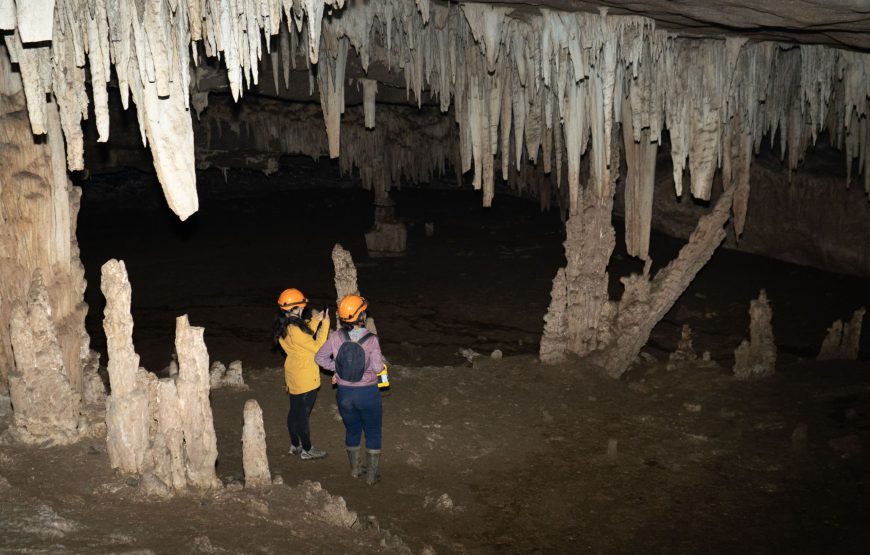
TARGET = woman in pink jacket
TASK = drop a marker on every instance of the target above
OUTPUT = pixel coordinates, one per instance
(354, 354)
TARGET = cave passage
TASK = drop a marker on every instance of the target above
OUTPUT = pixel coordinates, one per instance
(481, 281)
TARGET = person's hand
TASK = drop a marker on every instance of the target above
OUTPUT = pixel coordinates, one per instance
(325, 315)
(334, 379)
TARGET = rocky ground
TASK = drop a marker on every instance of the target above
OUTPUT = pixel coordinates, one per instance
(480, 455)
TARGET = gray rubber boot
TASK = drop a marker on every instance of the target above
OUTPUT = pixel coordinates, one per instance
(372, 476)
(356, 469)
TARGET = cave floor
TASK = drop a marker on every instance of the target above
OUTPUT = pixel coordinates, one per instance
(496, 455)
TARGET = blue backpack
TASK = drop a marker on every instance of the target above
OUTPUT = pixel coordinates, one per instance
(350, 360)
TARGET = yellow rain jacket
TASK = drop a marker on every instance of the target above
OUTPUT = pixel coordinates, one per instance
(301, 373)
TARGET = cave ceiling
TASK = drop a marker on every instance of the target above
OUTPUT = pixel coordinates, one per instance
(543, 84)
(842, 23)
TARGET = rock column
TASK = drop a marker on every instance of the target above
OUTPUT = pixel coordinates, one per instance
(254, 459)
(40, 206)
(45, 405)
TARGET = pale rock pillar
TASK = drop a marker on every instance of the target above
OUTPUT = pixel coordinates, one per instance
(843, 340)
(345, 273)
(40, 207)
(45, 405)
(756, 358)
(127, 408)
(345, 279)
(254, 459)
(200, 441)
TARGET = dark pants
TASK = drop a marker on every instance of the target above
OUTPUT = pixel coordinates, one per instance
(360, 409)
(297, 418)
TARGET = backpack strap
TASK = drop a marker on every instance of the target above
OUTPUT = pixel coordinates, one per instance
(365, 338)
(345, 335)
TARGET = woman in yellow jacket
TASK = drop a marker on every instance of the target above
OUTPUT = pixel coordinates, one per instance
(300, 339)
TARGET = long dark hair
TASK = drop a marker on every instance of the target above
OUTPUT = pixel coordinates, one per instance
(284, 319)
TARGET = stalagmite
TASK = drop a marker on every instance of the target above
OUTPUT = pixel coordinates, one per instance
(162, 429)
(93, 388)
(345, 279)
(45, 406)
(216, 374)
(756, 358)
(200, 442)
(233, 377)
(843, 340)
(345, 273)
(685, 353)
(127, 409)
(254, 459)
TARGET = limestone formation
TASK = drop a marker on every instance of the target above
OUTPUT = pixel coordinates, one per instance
(756, 358)
(45, 405)
(233, 377)
(161, 430)
(843, 340)
(216, 374)
(345, 273)
(127, 407)
(685, 353)
(221, 376)
(254, 459)
(200, 442)
(93, 388)
(387, 239)
(522, 82)
(39, 210)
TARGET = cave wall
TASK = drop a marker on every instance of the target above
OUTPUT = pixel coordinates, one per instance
(38, 210)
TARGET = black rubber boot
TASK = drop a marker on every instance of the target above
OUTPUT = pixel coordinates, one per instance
(356, 469)
(372, 475)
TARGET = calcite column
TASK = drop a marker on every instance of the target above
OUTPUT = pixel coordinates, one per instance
(582, 320)
(39, 210)
(254, 459)
(200, 441)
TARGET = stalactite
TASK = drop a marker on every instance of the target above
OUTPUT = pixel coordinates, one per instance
(370, 89)
(560, 69)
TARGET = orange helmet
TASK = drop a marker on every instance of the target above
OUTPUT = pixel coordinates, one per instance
(350, 308)
(290, 298)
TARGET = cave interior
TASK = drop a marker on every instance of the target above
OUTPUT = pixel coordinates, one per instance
(618, 255)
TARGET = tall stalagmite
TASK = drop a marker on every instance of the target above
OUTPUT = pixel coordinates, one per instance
(756, 358)
(200, 441)
(162, 429)
(127, 407)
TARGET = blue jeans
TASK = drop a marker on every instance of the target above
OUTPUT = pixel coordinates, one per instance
(360, 409)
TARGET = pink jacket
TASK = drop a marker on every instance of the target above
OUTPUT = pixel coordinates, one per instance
(325, 358)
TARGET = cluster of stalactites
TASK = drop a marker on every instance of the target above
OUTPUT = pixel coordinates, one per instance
(544, 87)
